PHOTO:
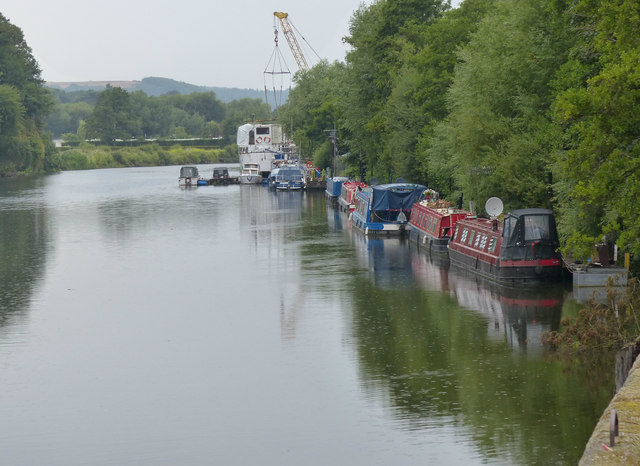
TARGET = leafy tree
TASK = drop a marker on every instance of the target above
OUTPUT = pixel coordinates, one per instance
(314, 106)
(598, 110)
(498, 137)
(378, 38)
(24, 102)
(66, 117)
(112, 117)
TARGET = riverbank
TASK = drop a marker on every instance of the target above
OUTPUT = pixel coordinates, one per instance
(626, 444)
(87, 156)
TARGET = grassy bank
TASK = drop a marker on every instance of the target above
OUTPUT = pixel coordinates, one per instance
(87, 156)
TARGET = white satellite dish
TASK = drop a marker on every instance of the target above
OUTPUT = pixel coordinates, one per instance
(494, 206)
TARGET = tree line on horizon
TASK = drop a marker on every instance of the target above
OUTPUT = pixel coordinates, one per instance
(533, 101)
(115, 113)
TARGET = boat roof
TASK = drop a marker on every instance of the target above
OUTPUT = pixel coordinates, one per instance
(396, 196)
(479, 223)
(532, 211)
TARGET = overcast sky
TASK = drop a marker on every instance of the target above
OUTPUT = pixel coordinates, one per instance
(205, 42)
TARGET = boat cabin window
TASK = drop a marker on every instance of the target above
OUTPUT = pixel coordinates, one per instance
(252, 137)
(465, 233)
(492, 244)
(262, 130)
(483, 242)
(471, 237)
(509, 227)
(435, 223)
(477, 243)
(189, 172)
(536, 227)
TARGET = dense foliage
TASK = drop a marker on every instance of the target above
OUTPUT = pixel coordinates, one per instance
(534, 101)
(24, 102)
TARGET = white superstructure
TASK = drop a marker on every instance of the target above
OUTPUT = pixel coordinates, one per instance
(264, 144)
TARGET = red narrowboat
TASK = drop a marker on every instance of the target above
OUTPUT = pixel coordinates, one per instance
(523, 248)
(432, 223)
(346, 201)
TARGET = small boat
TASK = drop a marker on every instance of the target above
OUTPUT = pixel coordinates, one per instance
(523, 248)
(188, 176)
(385, 209)
(250, 174)
(288, 178)
(432, 222)
(346, 201)
(334, 187)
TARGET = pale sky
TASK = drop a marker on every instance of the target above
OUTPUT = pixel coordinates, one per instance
(203, 42)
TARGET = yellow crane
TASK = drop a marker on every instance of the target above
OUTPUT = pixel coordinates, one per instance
(292, 40)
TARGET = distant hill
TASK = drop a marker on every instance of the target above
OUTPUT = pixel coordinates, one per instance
(160, 86)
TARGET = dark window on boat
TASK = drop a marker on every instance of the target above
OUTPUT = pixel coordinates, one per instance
(471, 237)
(509, 227)
(433, 227)
(262, 130)
(465, 233)
(492, 244)
(252, 137)
(536, 227)
(425, 221)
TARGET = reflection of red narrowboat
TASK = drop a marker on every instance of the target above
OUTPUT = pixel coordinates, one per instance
(523, 248)
(432, 222)
(346, 201)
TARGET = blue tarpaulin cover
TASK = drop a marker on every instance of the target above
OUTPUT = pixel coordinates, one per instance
(396, 196)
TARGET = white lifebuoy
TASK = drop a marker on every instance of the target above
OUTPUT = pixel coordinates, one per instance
(259, 139)
(267, 139)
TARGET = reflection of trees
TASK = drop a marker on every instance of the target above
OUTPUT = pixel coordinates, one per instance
(432, 359)
(23, 248)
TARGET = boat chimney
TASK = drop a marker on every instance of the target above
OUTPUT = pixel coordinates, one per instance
(495, 224)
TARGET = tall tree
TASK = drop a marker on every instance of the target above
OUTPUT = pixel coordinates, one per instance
(24, 103)
(112, 118)
(377, 39)
(598, 109)
(499, 135)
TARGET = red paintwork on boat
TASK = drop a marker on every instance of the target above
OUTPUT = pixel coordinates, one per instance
(435, 219)
(348, 194)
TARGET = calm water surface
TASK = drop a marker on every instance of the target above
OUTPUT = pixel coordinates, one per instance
(144, 324)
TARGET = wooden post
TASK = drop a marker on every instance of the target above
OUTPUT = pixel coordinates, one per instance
(627, 260)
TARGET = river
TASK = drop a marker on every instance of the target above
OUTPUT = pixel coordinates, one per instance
(145, 324)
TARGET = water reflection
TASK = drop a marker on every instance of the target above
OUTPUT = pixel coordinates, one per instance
(438, 346)
(209, 319)
(24, 245)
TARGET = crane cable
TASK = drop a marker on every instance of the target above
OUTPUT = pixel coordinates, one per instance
(276, 59)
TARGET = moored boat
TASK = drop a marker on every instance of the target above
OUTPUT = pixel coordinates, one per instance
(188, 177)
(264, 144)
(250, 174)
(385, 209)
(334, 187)
(346, 201)
(288, 178)
(523, 248)
(432, 222)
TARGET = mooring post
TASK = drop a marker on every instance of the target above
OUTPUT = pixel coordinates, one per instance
(613, 427)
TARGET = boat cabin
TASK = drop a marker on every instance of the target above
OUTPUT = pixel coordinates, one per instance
(523, 247)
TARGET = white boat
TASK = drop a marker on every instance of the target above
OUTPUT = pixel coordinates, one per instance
(188, 176)
(250, 174)
(265, 145)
